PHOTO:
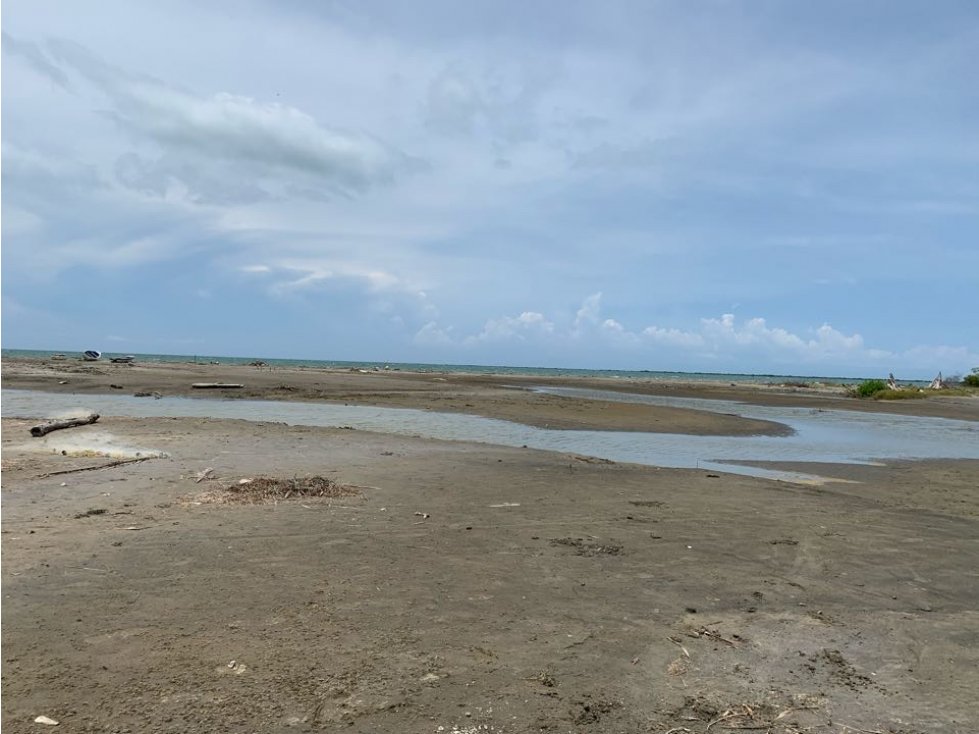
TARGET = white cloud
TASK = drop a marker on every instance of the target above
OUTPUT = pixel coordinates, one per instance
(717, 339)
(292, 275)
(529, 324)
(432, 334)
(723, 334)
(270, 138)
(615, 331)
(589, 312)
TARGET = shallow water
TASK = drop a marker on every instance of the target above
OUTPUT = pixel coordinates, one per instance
(836, 436)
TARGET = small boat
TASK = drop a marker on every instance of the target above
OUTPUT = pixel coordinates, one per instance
(128, 359)
(90, 355)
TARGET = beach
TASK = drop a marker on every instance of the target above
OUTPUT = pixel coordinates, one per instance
(461, 586)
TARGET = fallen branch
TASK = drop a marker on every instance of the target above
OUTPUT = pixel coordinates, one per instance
(217, 385)
(46, 428)
(204, 474)
(95, 468)
(712, 634)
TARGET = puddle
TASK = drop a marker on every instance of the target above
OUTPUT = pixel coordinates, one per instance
(835, 436)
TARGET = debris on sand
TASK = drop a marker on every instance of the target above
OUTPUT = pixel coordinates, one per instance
(267, 490)
(45, 720)
(589, 459)
(204, 474)
(589, 548)
(91, 513)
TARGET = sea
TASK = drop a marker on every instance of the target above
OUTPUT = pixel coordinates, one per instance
(474, 369)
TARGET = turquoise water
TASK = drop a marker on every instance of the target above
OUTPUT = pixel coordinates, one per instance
(468, 368)
(834, 436)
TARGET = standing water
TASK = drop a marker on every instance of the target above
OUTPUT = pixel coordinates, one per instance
(835, 436)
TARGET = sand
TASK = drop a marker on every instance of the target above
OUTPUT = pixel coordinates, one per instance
(472, 587)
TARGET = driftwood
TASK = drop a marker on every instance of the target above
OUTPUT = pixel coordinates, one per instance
(45, 429)
(216, 385)
(96, 468)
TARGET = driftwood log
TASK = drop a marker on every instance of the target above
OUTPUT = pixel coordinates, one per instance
(46, 428)
(216, 385)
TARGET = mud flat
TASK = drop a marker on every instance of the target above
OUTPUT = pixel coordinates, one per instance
(464, 587)
(505, 397)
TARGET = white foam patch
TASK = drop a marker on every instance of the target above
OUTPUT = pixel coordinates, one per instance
(94, 443)
(72, 413)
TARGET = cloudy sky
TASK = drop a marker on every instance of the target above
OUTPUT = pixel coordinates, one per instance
(756, 186)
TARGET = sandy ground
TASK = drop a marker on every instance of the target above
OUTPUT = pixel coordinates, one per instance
(471, 588)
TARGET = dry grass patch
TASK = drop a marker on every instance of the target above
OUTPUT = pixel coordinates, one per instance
(268, 490)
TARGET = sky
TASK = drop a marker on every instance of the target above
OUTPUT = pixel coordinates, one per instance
(764, 186)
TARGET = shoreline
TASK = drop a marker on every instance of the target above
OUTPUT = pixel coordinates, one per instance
(505, 397)
(747, 378)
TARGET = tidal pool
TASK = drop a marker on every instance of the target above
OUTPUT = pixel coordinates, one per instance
(835, 436)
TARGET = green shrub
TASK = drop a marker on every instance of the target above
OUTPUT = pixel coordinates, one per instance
(869, 388)
(973, 379)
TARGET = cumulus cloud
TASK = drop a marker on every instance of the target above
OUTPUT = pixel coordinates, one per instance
(528, 325)
(432, 334)
(723, 333)
(615, 331)
(722, 343)
(589, 312)
(716, 339)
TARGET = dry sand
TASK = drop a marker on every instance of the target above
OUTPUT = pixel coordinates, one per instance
(533, 592)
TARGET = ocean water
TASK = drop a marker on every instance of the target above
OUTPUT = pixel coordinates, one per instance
(474, 369)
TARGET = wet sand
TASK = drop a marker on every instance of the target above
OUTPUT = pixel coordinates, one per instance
(506, 397)
(472, 587)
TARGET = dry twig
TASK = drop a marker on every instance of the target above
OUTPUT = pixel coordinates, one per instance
(712, 634)
(111, 464)
(266, 490)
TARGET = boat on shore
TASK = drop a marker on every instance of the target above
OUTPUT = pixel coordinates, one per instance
(91, 355)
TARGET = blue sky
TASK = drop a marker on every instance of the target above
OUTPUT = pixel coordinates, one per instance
(779, 187)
